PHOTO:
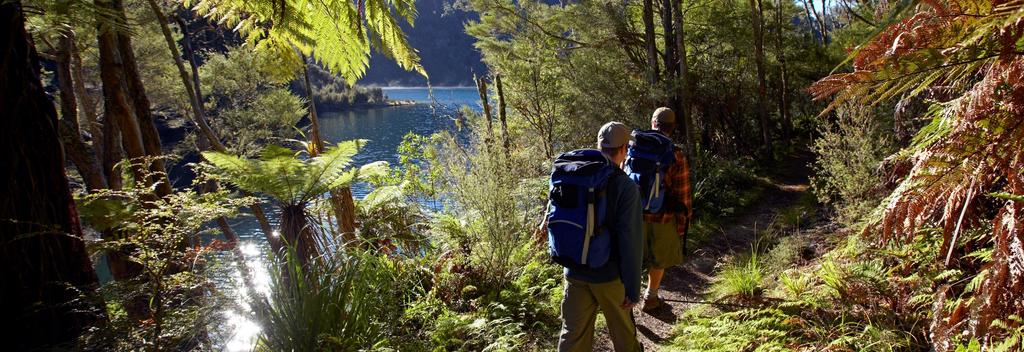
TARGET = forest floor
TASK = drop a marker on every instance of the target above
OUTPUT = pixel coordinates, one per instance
(686, 284)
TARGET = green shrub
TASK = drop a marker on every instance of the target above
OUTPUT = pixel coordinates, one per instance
(849, 151)
(494, 196)
(342, 301)
(161, 299)
(740, 278)
(722, 185)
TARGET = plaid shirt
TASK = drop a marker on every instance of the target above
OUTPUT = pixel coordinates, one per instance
(678, 181)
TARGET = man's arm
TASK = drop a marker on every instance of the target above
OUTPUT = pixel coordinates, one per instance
(628, 227)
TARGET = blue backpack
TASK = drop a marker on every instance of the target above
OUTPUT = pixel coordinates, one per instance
(577, 209)
(647, 160)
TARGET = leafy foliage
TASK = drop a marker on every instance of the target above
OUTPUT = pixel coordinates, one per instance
(337, 33)
(281, 174)
(964, 55)
(341, 303)
(161, 239)
(849, 153)
(391, 219)
(243, 96)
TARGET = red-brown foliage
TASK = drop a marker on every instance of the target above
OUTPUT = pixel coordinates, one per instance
(973, 149)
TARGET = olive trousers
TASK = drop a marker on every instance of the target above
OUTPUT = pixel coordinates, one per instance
(579, 312)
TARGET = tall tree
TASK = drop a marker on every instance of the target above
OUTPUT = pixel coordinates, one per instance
(125, 103)
(756, 16)
(43, 260)
(684, 81)
(194, 88)
(671, 65)
(119, 121)
(783, 96)
(649, 41)
(82, 155)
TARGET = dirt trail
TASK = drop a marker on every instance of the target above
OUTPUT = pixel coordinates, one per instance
(687, 282)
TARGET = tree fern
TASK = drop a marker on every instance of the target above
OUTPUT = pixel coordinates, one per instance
(282, 174)
(293, 182)
(339, 34)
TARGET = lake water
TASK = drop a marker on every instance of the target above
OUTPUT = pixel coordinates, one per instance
(384, 128)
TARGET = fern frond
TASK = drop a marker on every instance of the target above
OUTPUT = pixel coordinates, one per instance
(284, 175)
(335, 33)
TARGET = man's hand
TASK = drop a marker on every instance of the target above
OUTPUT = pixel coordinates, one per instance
(627, 304)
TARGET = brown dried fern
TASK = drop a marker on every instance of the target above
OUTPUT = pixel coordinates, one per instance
(974, 148)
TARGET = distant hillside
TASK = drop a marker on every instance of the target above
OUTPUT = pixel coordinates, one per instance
(446, 50)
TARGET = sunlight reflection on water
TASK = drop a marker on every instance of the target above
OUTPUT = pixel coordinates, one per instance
(243, 327)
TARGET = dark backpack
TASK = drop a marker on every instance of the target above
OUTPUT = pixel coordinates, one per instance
(647, 161)
(577, 209)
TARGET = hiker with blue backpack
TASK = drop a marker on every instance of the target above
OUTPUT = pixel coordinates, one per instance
(663, 174)
(594, 223)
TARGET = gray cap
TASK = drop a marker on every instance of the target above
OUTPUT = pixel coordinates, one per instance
(613, 135)
(663, 116)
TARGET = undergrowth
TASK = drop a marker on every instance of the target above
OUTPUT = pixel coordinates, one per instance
(784, 296)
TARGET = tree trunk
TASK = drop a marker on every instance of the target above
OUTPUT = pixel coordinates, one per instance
(47, 299)
(824, 19)
(787, 122)
(505, 142)
(341, 199)
(121, 130)
(296, 232)
(652, 46)
(810, 20)
(481, 87)
(762, 110)
(117, 103)
(150, 137)
(186, 43)
(88, 117)
(811, 10)
(81, 154)
(684, 83)
(671, 65)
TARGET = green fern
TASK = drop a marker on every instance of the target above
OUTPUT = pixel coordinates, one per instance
(281, 174)
(391, 218)
(338, 34)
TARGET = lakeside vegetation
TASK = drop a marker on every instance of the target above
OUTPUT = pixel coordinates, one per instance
(908, 114)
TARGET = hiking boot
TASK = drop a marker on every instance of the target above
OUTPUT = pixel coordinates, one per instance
(651, 303)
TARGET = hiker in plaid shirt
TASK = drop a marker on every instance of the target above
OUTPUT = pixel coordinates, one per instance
(663, 230)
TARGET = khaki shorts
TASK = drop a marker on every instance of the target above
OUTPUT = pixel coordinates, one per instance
(663, 247)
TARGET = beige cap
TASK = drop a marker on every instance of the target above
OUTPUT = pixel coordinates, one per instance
(663, 116)
(613, 135)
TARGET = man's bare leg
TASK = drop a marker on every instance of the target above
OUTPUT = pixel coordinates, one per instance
(654, 276)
